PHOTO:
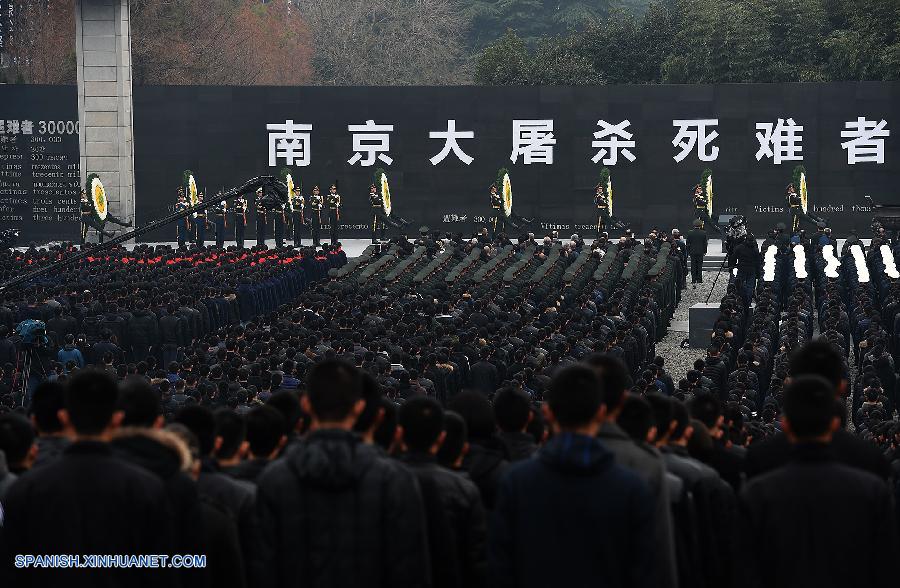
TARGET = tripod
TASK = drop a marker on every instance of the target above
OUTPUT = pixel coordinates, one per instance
(718, 273)
(25, 366)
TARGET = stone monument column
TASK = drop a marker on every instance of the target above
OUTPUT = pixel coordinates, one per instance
(103, 50)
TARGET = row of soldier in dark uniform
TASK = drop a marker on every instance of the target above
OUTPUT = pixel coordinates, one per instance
(288, 218)
(294, 218)
(792, 197)
(297, 218)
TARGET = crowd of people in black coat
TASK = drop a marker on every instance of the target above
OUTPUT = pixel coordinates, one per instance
(340, 486)
(481, 430)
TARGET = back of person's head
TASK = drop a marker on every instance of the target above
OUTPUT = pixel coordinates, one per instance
(512, 409)
(232, 428)
(288, 404)
(818, 358)
(613, 375)
(706, 408)
(201, 422)
(46, 401)
(333, 389)
(663, 412)
(682, 420)
(265, 429)
(90, 401)
(636, 417)
(477, 411)
(455, 438)
(575, 396)
(700, 443)
(139, 403)
(371, 393)
(385, 432)
(16, 437)
(422, 420)
(809, 407)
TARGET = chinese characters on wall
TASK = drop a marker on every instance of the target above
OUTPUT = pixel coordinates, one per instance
(39, 175)
(533, 142)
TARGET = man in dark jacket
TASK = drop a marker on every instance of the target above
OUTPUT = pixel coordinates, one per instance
(455, 516)
(46, 402)
(172, 333)
(486, 461)
(819, 358)
(334, 512)
(638, 457)
(608, 541)
(696, 248)
(512, 409)
(143, 444)
(236, 496)
(745, 258)
(266, 437)
(87, 501)
(815, 521)
(483, 375)
(106, 345)
(61, 324)
(143, 331)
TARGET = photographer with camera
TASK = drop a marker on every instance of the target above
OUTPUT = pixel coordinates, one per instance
(32, 360)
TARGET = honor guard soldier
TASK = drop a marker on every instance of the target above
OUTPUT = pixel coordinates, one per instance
(90, 217)
(333, 201)
(200, 222)
(182, 225)
(795, 204)
(279, 214)
(315, 207)
(220, 221)
(602, 203)
(88, 220)
(261, 218)
(380, 218)
(240, 220)
(377, 203)
(498, 218)
(297, 218)
(701, 210)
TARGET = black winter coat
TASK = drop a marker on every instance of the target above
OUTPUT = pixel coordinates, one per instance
(485, 463)
(87, 501)
(223, 550)
(484, 377)
(696, 242)
(143, 330)
(574, 506)
(817, 522)
(846, 448)
(334, 513)
(172, 330)
(456, 524)
(155, 452)
(236, 496)
(518, 445)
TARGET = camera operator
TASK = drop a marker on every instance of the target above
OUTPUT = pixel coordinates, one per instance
(744, 256)
(32, 360)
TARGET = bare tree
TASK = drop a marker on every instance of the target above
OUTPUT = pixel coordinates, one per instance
(41, 46)
(219, 42)
(387, 42)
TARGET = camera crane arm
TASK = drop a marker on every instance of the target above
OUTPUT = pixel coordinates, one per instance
(274, 194)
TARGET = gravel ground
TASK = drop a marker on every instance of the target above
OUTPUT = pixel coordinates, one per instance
(678, 360)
